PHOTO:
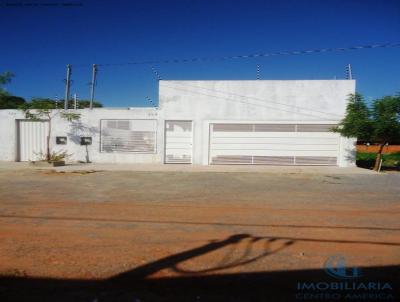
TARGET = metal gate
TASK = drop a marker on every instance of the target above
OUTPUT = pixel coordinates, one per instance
(273, 144)
(178, 142)
(32, 139)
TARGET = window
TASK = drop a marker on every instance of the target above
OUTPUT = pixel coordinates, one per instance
(128, 136)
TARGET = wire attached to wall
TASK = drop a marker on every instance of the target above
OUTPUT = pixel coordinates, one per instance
(158, 76)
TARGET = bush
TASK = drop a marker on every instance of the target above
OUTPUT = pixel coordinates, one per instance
(54, 156)
(367, 160)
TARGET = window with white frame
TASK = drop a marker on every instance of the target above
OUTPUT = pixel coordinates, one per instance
(119, 135)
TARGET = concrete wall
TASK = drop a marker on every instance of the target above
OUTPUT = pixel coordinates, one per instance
(88, 125)
(205, 102)
(8, 134)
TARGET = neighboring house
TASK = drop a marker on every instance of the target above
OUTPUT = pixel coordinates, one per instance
(202, 122)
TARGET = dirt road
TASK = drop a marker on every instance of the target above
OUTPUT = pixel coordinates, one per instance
(170, 236)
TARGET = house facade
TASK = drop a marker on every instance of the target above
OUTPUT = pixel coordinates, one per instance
(200, 122)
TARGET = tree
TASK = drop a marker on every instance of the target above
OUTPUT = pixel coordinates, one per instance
(44, 109)
(8, 101)
(386, 121)
(5, 78)
(11, 101)
(381, 124)
(85, 104)
(81, 104)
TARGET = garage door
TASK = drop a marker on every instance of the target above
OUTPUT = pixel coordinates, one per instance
(178, 142)
(32, 139)
(273, 144)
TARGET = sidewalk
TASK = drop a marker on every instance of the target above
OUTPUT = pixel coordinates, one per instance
(190, 168)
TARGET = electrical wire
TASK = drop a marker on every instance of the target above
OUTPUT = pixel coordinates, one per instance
(317, 117)
(261, 101)
(249, 56)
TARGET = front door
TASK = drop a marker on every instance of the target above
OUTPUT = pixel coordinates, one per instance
(32, 139)
(178, 142)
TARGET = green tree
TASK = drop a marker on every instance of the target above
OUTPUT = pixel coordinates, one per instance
(85, 104)
(53, 104)
(381, 124)
(5, 78)
(386, 123)
(10, 101)
(44, 109)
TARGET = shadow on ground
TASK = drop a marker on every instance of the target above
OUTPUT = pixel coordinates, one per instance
(210, 284)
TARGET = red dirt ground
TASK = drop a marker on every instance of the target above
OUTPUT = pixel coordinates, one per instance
(163, 236)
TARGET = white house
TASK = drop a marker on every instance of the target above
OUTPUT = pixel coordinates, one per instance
(201, 122)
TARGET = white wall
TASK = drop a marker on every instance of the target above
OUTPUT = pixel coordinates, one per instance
(88, 125)
(303, 101)
(203, 102)
(8, 134)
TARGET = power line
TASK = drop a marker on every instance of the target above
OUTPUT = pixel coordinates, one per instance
(249, 56)
(242, 102)
(230, 94)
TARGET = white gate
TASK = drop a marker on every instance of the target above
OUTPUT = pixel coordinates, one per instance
(178, 142)
(32, 139)
(273, 144)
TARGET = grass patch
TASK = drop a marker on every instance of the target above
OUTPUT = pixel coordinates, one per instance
(367, 160)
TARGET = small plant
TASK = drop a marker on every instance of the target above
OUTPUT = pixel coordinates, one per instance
(59, 156)
(54, 156)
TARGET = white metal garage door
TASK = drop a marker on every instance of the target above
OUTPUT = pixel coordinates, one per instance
(178, 142)
(274, 144)
(32, 139)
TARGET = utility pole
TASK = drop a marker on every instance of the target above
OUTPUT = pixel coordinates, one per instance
(349, 72)
(67, 86)
(94, 72)
(75, 101)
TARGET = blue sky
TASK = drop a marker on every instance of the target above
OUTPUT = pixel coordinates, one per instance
(37, 42)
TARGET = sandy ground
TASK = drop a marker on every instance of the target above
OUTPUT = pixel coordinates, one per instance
(183, 236)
